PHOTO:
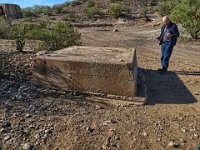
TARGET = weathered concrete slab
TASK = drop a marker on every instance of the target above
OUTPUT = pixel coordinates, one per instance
(104, 71)
(10, 10)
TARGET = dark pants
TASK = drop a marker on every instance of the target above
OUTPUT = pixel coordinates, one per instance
(166, 50)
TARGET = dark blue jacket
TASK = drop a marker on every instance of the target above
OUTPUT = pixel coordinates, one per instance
(173, 29)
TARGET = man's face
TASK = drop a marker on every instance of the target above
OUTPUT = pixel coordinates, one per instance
(165, 21)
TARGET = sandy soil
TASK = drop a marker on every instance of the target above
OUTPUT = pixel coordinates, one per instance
(46, 119)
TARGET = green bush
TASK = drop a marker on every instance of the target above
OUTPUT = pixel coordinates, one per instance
(17, 32)
(91, 12)
(28, 12)
(144, 10)
(76, 2)
(57, 8)
(165, 7)
(72, 17)
(115, 1)
(3, 27)
(187, 13)
(53, 36)
(115, 9)
(59, 36)
(90, 3)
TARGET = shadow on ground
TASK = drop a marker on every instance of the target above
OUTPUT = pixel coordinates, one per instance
(167, 88)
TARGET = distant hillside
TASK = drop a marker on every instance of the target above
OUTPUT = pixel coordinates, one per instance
(84, 9)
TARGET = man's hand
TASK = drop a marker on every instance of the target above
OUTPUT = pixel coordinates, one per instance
(159, 38)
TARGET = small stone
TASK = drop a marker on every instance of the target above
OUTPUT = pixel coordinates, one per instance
(196, 135)
(28, 116)
(183, 130)
(115, 30)
(3, 130)
(6, 124)
(45, 136)
(158, 139)
(183, 141)
(108, 141)
(195, 93)
(99, 107)
(112, 130)
(121, 60)
(144, 134)
(191, 130)
(106, 123)
(41, 53)
(14, 115)
(113, 121)
(27, 146)
(117, 138)
(6, 138)
(89, 129)
(48, 131)
(37, 136)
(129, 132)
(173, 144)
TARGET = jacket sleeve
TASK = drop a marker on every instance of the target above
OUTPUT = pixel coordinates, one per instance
(175, 31)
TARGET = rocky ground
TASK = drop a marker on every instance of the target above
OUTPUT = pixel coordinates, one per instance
(38, 118)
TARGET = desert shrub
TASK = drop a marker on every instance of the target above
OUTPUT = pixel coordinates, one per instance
(53, 36)
(165, 7)
(67, 3)
(144, 10)
(57, 8)
(17, 32)
(115, 1)
(90, 3)
(3, 27)
(28, 12)
(187, 13)
(58, 36)
(47, 11)
(91, 12)
(71, 17)
(115, 9)
(76, 2)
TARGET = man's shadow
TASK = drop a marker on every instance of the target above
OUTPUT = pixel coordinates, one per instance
(167, 88)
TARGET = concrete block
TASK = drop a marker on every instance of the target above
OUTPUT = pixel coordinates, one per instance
(107, 71)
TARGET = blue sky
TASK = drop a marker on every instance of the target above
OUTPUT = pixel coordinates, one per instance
(29, 3)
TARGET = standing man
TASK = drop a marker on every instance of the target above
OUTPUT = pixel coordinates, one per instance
(167, 38)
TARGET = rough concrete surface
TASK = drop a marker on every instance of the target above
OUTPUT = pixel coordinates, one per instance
(99, 70)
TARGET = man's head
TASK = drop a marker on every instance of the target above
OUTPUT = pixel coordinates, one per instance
(166, 20)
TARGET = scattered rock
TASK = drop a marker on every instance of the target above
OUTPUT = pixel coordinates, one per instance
(37, 136)
(183, 130)
(27, 146)
(6, 138)
(6, 124)
(115, 30)
(48, 131)
(99, 107)
(121, 60)
(41, 53)
(106, 122)
(117, 138)
(173, 144)
(144, 134)
(89, 129)
(3, 130)
(195, 93)
(28, 115)
(196, 135)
